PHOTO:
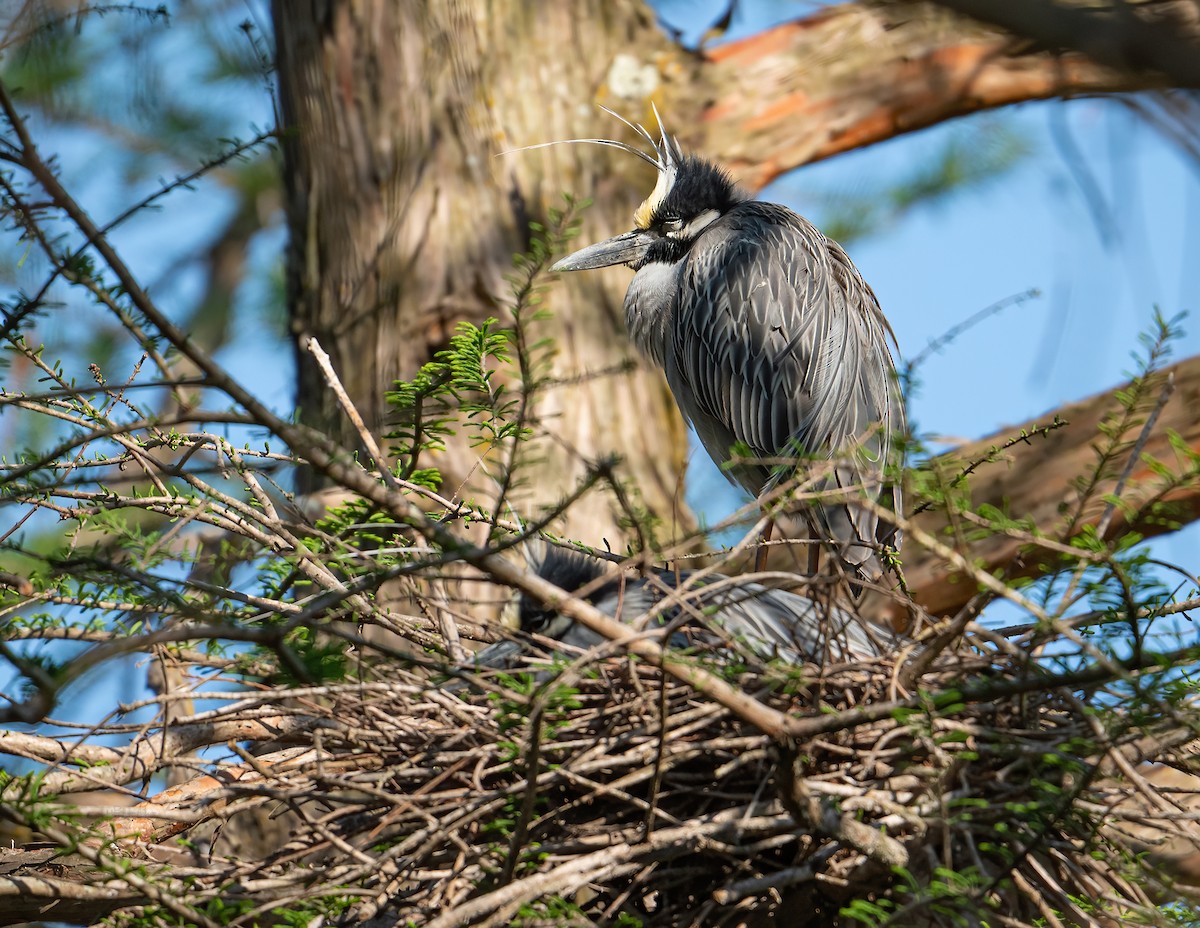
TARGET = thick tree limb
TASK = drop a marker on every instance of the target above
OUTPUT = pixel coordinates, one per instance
(46, 885)
(112, 766)
(1057, 459)
(1138, 36)
(858, 74)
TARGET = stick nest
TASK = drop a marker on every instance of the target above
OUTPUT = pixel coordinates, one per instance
(603, 793)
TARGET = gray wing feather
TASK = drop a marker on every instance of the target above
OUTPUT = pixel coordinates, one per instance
(766, 622)
(712, 611)
(778, 624)
(778, 343)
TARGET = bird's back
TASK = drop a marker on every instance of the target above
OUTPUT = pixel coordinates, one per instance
(731, 614)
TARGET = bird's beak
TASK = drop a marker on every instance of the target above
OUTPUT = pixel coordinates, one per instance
(622, 249)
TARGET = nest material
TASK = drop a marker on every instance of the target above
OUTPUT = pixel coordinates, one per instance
(607, 795)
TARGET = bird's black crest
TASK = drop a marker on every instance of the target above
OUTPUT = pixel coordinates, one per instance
(567, 570)
(699, 185)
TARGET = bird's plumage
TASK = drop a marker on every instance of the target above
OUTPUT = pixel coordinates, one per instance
(777, 343)
(715, 612)
(769, 338)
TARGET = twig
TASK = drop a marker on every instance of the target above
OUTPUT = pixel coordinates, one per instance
(378, 460)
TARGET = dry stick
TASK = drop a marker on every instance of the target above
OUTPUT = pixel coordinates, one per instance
(824, 818)
(663, 845)
(759, 886)
(660, 746)
(20, 584)
(1121, 762)
(364, 434)
(52, 891)
(916, 668)
(532, 762)
(1135, 454)
(1046, 544)
(1087, 619)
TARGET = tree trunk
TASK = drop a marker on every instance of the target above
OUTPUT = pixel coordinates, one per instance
(404, 218)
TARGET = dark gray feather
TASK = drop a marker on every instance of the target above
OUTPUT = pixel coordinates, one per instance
(710, 612)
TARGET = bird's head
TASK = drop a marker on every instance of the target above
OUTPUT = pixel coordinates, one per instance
(568, 571)
(689, 194)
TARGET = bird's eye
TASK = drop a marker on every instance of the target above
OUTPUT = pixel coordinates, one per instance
(671, 224)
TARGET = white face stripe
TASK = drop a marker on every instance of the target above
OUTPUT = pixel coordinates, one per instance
(662, 186)
(557, 627)
(696, 226)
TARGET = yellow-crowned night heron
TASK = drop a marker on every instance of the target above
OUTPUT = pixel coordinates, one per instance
(769, 338)
(716, 613)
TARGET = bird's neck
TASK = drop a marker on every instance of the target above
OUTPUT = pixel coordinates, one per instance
(649, 303)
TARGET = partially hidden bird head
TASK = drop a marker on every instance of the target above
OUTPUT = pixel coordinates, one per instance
(568, 571)
(689, 194)
(714, 614)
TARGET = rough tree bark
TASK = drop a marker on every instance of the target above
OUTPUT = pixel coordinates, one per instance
(404, 219)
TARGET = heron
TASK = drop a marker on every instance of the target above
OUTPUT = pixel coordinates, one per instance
(689, 610)
(770, 340)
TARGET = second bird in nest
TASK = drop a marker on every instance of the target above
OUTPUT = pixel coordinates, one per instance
(704, 612)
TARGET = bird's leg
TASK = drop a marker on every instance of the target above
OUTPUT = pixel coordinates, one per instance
(760, 559)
